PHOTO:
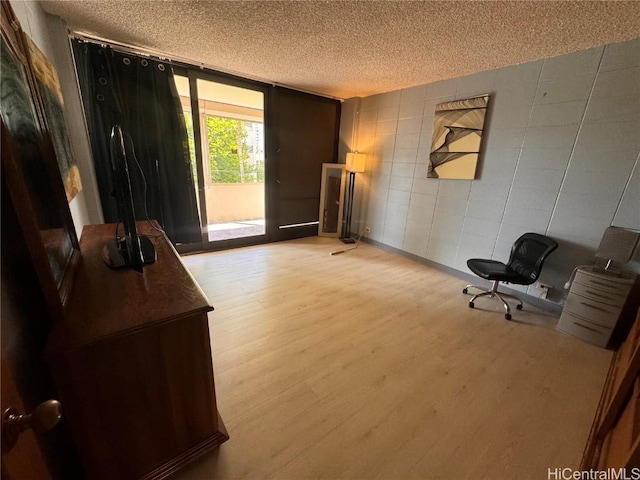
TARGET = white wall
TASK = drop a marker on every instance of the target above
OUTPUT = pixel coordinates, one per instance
(349, 122)
(50, 34)
(561, 153)
(233, 202)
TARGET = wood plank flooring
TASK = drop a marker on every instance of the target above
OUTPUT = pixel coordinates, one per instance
(368, 365)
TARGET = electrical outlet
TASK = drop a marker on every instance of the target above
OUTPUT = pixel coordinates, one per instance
(367, 230)
(544, 289)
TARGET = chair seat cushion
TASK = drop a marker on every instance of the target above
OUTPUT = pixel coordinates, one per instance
(494, 270)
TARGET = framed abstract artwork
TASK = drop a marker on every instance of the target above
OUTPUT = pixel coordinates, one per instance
(31, 181)
(48, 85)
(457, 138)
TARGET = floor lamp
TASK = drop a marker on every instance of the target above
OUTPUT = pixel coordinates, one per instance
(355, 164)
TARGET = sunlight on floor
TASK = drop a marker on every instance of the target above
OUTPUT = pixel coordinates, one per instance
(241, 228)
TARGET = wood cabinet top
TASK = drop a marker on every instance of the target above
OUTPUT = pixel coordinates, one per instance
(105, 302)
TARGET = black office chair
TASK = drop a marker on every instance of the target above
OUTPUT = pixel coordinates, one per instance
(525, 263)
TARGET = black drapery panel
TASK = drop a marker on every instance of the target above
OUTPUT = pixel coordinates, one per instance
(139, 94)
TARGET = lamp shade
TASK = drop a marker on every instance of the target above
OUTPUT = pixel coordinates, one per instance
(355, 162)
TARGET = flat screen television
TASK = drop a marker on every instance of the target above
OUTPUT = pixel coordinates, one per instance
(130, 250)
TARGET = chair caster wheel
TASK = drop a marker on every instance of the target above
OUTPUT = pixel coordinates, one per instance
(519, 307)
(471, 305)
(464, 290)
(507, 316)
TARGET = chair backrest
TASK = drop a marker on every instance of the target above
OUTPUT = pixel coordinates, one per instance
(528, 254)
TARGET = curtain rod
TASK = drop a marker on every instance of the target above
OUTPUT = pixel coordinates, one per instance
(182, 61)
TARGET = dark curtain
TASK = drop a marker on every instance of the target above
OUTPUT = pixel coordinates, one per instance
(139, 94)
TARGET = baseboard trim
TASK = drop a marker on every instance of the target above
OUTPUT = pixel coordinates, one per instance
(546, 306)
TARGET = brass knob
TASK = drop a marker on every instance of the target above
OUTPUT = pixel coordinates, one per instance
(43, 418)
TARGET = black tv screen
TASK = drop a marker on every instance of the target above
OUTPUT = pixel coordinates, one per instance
(131, 250)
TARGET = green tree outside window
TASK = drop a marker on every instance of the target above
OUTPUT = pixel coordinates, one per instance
(228, 149)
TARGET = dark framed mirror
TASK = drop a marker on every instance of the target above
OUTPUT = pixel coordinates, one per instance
(30, 169)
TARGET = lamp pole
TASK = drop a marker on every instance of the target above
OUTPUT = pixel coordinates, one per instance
(346, 227)
(355, 163)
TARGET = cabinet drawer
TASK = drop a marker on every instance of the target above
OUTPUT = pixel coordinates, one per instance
(594, 292)
(610, 284)
(594, 310)
(583, 329)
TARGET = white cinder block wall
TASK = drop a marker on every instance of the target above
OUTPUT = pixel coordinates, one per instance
(561, 154)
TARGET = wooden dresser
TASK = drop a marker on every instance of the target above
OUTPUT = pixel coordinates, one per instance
(614, 441)
(132, 363)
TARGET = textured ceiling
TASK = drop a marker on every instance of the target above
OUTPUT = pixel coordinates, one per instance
(354, 48)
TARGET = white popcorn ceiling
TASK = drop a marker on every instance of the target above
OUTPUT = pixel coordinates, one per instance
(354, 48)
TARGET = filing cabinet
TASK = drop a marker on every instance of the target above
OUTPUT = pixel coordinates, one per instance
(594, 304)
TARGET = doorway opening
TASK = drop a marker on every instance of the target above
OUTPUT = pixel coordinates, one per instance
(230, 164)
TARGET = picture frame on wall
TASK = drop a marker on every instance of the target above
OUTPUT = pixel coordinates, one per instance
(48, 84)
(31, 177)
(458, 129)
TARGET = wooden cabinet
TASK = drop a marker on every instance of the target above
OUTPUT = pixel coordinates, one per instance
(594, 304)
(614, 441)
(133, 366)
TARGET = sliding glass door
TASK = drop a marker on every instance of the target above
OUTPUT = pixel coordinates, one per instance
(257, 152)
(225, 120)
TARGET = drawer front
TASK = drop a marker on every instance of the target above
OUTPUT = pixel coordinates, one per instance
(583, 329)
(602, 282)
(593, 310)
(593, 292)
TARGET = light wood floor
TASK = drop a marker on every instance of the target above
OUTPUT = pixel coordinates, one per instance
(368, 365)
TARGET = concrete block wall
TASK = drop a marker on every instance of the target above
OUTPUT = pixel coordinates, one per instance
(560, 157)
